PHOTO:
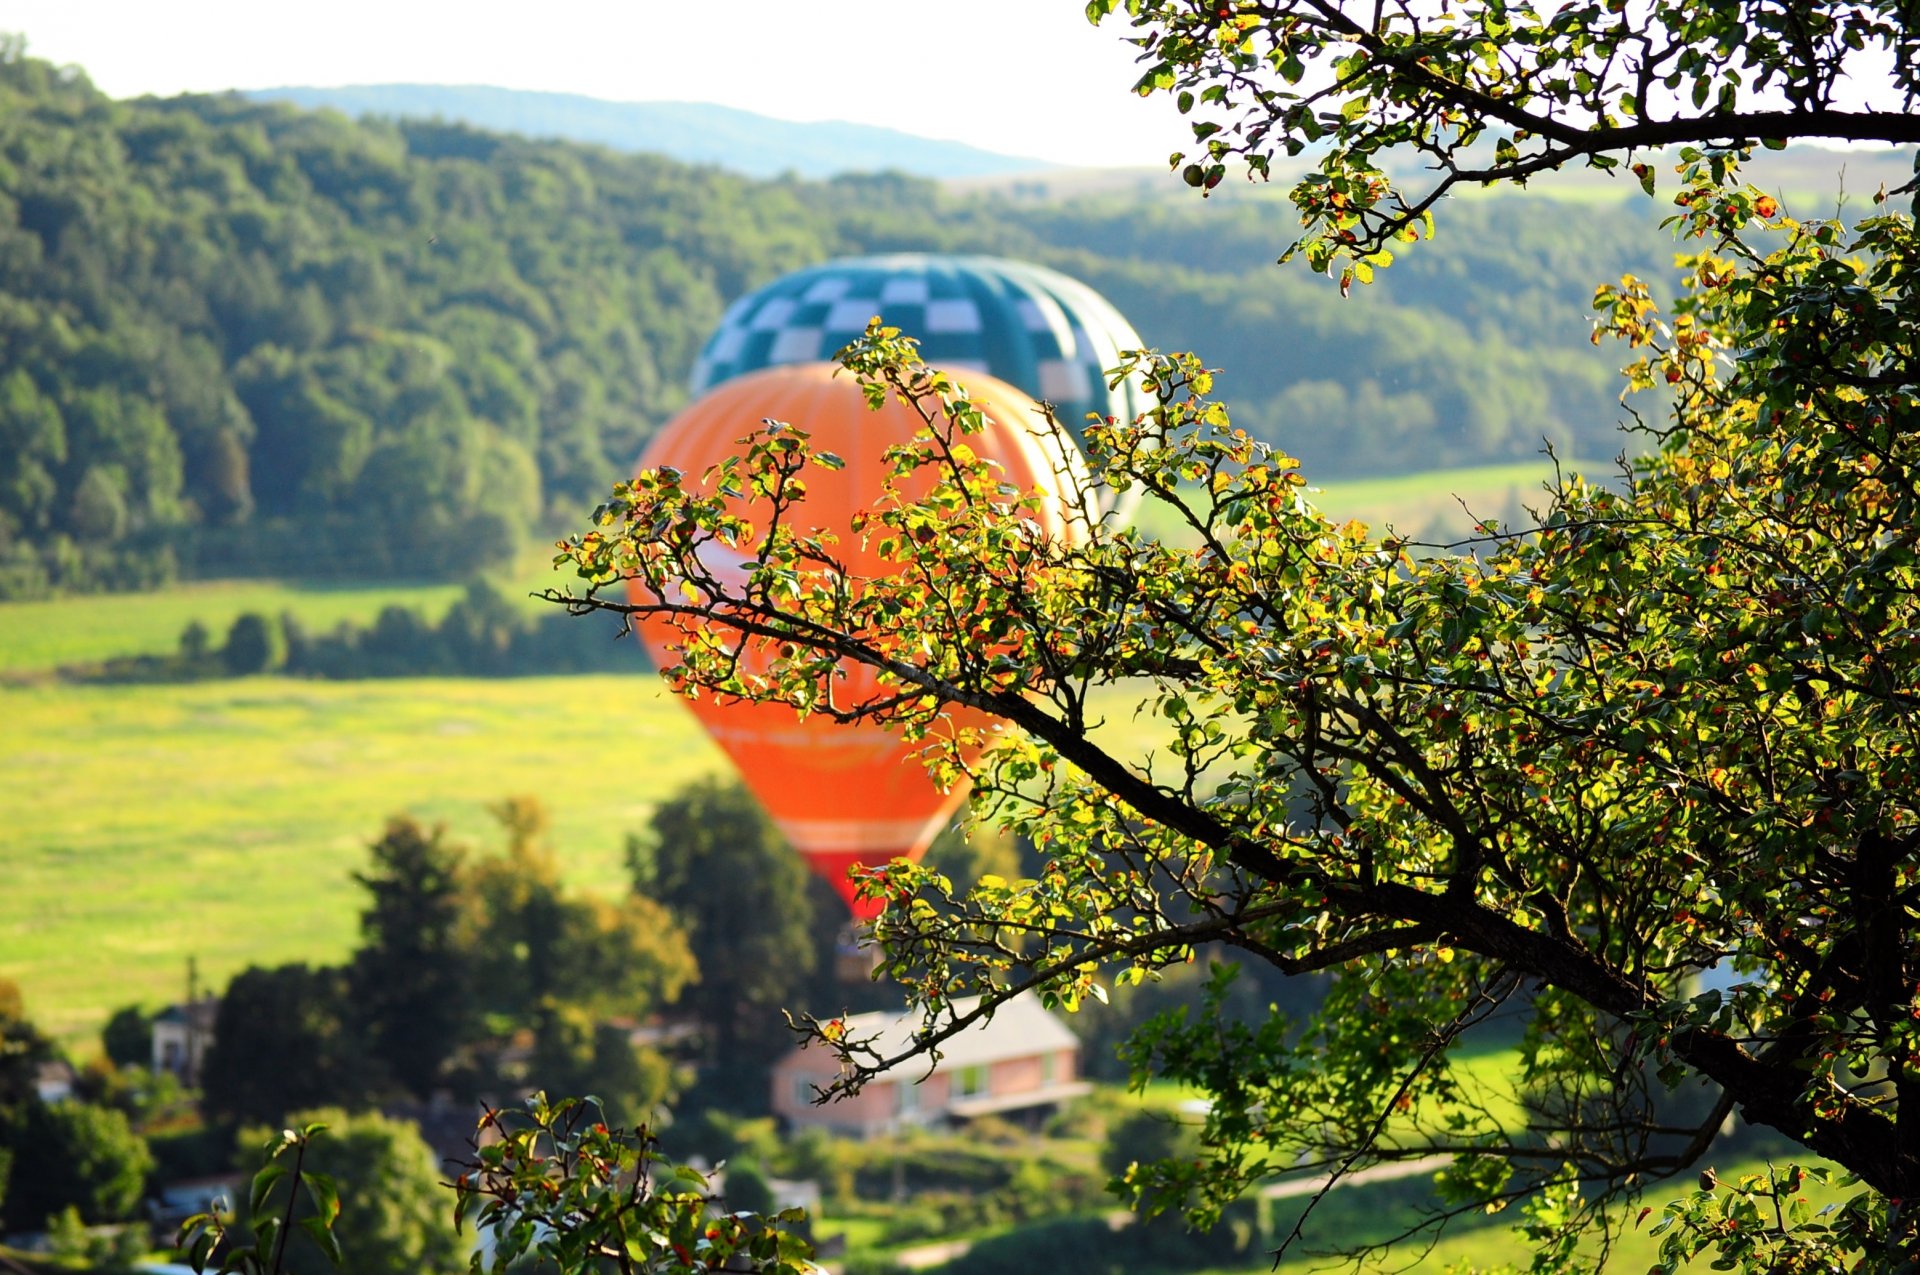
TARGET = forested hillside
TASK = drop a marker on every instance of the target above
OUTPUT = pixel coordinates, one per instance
(240, 338)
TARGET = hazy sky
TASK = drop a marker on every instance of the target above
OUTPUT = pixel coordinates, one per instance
(1025, 77)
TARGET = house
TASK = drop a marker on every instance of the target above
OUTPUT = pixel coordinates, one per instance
(181, 1034)
(53, 1081)
(1021, 1062)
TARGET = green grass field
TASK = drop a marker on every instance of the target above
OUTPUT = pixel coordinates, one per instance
(44, 635)
(223, 819)
(1436, 505)
(1490, 1249)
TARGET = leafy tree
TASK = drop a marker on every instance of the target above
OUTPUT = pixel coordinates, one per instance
(1558, 769)
(1144, 1139)
(409, 989)
(534, 944)
(127, 1039)
(570, 968)
(712, 858)
(553, 1182)
(195, 641)
(283, 1040)
(392, 1206)
(71, 1155)
(23, 1047)
(253, 645)
(1490, 93)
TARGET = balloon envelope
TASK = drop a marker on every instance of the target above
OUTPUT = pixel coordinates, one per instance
(842, 794)
(1034, 328)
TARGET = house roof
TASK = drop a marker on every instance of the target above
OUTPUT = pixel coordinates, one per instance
(1018, 1029)
(199, 1015)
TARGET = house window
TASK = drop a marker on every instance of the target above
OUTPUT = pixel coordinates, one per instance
(908, 1100)
(970, 1082)
(1049, 1068)
(803, 1091)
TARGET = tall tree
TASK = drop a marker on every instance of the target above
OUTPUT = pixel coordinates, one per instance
(283, 1039)
(721, 868)
(410, 989)
(576, 971)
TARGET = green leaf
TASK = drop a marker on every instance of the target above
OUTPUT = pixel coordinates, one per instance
(326, 1195)
(263, 1184)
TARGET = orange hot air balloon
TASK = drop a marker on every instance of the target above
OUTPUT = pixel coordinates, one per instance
(843, 795)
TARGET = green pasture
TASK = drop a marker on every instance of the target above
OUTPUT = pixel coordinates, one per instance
(1439, 504)
(96, 627)
(92, 628)
(222, 819)
(1495, 1248)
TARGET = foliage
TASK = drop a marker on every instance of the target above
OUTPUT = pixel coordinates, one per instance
(241, 338)
(747, 1189)
(261, 1249)
(72, 1155)
(1590, 83)
(392, 1214)
(534, 943)
(553, 1182)
(23, 1047)
(411, 994)
(712, 859)
(71, 1242)
(284, 1039)
(1563, 768)
(127, 1039)
(253, 645)
(1144, 1139)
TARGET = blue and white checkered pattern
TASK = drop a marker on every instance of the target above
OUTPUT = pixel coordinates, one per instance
(1037, 329)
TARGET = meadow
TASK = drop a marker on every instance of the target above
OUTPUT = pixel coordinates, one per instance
(1435, 506)
(223, 820)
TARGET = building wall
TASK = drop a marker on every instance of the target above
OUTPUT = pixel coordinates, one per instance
(878, 1108)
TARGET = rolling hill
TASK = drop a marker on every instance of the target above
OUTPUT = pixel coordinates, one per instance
(691, 132)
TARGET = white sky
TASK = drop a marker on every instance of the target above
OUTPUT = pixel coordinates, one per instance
(1023, 77)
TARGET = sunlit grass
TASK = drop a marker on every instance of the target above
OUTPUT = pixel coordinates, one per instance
(1434, 505)
(222, 820)
(42, 635)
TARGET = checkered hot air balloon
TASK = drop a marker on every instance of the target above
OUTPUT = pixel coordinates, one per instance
(1034, 328)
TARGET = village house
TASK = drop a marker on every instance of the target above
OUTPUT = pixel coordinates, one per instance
(1021, 1063)
(181, 1034)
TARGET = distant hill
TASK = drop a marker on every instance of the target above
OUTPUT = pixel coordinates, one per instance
(692, 132)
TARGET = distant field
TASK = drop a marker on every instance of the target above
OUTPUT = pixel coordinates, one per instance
(81, 630)
(40, 635)
(96, 627)
(1435, 506)
(222, 819)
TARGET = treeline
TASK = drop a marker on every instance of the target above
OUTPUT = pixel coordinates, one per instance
(238, 338)
(481, 635)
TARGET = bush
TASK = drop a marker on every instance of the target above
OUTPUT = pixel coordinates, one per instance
(253, 645)
(68, 1154)
(128, 1037)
